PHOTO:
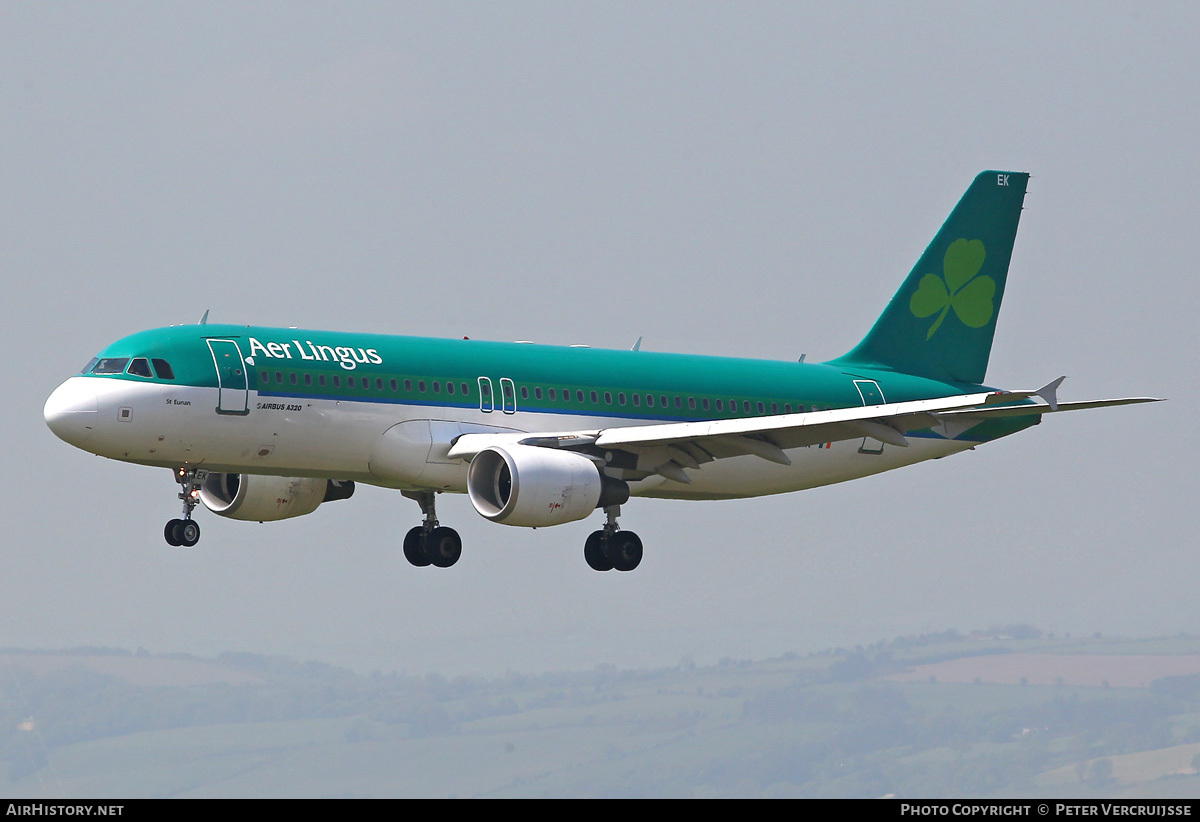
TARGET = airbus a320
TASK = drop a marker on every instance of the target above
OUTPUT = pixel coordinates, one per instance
(264, 424)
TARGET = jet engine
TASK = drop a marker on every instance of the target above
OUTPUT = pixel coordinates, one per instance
(265, 499)
(533, 486)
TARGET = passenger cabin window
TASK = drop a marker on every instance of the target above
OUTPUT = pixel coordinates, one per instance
(163, 369)
(139, 367)
(110, 365)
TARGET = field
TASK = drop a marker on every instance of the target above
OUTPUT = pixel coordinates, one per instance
(1100, 670)
(942, 715)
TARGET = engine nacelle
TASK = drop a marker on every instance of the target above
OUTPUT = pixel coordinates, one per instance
(264, 499)
(532, 486)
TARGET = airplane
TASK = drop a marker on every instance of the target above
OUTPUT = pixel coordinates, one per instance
(264, 424)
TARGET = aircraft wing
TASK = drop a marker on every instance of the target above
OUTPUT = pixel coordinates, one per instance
(667, 448)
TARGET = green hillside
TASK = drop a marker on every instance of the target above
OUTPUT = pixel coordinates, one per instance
(1007, 712)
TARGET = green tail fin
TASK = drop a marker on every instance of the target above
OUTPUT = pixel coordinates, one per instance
(941, 322)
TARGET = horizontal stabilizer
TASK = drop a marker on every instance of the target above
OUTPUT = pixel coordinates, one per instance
(1041, 408)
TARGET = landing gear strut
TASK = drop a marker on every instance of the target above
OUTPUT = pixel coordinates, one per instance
(611, 547)
(430, 543)
(186, 531)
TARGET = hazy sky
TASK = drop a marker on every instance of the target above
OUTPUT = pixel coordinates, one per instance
(751, 179)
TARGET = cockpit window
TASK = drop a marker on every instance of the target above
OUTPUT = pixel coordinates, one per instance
(110, 365)
(87, 369)
(163, 369)
(140, 367)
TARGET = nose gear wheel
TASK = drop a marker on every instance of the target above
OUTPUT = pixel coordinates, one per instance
(186, 531)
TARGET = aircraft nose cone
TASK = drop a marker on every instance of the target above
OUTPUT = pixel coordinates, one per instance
(71, 411)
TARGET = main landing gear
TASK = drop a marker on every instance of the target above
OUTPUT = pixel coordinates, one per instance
(186, 531)
(611, 547)
(430, 543)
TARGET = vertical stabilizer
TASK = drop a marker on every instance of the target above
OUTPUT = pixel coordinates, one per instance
(941, 322)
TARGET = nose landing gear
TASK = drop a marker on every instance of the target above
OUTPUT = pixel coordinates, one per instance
(186, 531)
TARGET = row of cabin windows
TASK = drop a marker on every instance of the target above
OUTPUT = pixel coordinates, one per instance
(137, 366)
(664, 402)
(324, 381)
(650, 401)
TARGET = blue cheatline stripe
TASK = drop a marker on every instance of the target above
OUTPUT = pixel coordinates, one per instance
(574, 412)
